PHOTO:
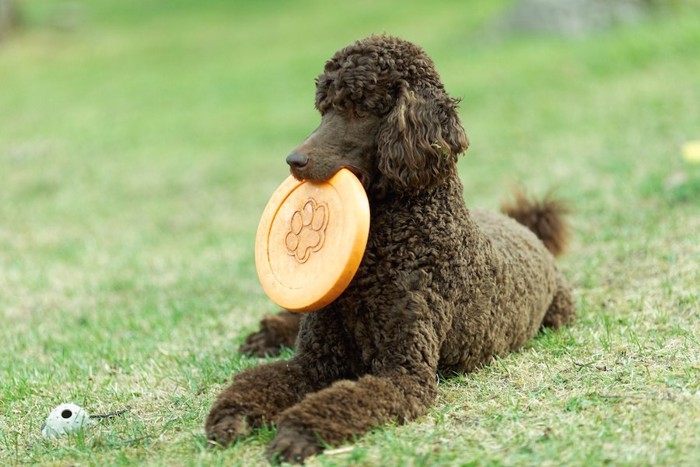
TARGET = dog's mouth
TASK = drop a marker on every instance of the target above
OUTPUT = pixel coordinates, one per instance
(298, 175)
(361, 175)
(303, 175)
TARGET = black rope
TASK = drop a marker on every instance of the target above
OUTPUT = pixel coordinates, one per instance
(111, 414)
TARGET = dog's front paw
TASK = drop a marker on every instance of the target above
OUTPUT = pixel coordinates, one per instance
(225, 425)
(292, 446)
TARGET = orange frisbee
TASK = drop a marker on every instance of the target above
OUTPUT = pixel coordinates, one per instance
(311, 239)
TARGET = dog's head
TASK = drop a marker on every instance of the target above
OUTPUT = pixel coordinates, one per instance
(385, 115)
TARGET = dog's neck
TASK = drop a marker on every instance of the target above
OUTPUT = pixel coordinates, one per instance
(402, 217)
(448, 192)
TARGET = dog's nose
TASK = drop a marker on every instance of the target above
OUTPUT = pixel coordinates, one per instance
(297, 161)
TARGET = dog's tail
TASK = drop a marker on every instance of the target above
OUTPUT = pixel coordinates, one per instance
(544, 217)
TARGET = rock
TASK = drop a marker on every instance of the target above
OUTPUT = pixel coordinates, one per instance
(573, 18)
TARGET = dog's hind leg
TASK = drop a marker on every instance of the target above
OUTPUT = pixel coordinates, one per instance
(275, 332)
(561, 310)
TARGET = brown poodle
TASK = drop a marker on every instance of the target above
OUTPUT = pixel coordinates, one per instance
(441, 288)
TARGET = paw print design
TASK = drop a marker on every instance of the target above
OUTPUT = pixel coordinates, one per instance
(307, 230)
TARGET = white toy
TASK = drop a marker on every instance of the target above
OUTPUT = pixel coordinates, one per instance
(65, 419)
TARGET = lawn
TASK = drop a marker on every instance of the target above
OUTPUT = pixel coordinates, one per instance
(139, 142)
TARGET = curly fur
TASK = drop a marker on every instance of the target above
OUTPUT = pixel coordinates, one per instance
(440, 287)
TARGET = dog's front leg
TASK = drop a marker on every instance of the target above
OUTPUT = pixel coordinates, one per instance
(258, 395)
(399, 339)
(347, 409)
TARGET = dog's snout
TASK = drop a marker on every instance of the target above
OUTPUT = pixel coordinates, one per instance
(297, 161)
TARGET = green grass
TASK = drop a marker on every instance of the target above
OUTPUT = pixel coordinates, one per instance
(139, 146)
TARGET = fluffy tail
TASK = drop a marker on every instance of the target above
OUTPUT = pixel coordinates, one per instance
(544, 217)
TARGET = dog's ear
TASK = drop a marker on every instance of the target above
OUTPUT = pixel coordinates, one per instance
(420, 140)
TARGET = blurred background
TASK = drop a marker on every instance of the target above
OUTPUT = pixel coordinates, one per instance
(141, 139)
(126, 117)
